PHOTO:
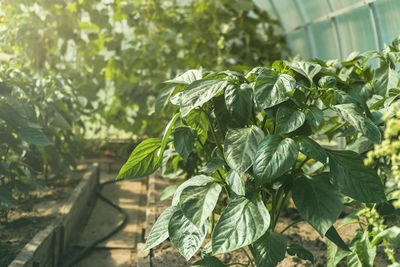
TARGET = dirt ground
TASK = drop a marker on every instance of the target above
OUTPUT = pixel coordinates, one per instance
(35, 212)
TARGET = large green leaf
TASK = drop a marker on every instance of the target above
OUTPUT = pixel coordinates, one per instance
(270, 249)
(385, 79)
(315, 116)
(363, 254)
(318, 201)
(197, 202)
(239, 102)
(242, 222)
(354, 115)
(288, 120)
(183, 141)
(200, 92)
(270, 89)
(391, 235)
(197, 119)
(159, 231)
(353, 178)
(143, 161)
(167, 133)
(307, 69)
(34, 136)
(163, 99)
(240, 147)
(209, 262)
(310, 148)
(184, 235)
(274, 156)
(187, 78)
(235, 182)
(334, 237)
(168, 192)
(212, 165)
(194, 181)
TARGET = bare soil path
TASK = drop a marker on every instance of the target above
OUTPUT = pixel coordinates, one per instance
(119, 249)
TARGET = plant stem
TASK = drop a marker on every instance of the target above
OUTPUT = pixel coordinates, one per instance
(290, 225)
(214, 135)
(248, 256)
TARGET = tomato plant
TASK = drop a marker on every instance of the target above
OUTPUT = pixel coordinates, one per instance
(254, 139)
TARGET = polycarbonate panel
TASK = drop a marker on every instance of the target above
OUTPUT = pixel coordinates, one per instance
(388, 16)
(266, 5)
(356, 32)
(289, 14)
(324, 38)
(314, 9)
(340, 4)
(299, 44)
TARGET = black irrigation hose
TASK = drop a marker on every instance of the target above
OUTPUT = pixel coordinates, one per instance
(86, 251)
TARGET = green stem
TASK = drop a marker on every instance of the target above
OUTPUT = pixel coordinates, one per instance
(248, 256)
(214, 135)
(290, 225)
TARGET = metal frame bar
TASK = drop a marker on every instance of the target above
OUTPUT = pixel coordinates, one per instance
(375, 24)
(334, 14)
(336, 29)
(307, 28)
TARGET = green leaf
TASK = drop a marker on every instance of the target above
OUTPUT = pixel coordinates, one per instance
(327, 82)
(194, 181)
(235, 182)
(354, 115)
(333, 257)
(301, 252)
(274, 156)
(60, 122)
(143, 161)
(333, 236)
(391, 235)
(163, 99)
(311, 149)
(385, 79)
(307, 69)
(6, 198)
(270, 89)
(159, 231)
(197, 202)
(200, 92)
(242, 222)
(187, 78)
(34, 136)
(209, 262)
(212, 165)
(184, 235)
(167, 133)
(239, 102)
(183, 141)
(270, 249)
(363, 254)
(288, 120)
(315, 116)
(318, 201)
(353, 178)
(197, 119)
(169, 191)
(240, 147)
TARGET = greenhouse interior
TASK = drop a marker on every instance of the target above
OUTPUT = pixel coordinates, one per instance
(205, 133)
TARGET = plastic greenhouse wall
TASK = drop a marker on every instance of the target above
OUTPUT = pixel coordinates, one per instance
(330, 29)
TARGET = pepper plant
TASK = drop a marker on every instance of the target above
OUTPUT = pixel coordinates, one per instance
(247, 143)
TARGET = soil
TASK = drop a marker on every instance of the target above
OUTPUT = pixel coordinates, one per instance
(35, 212)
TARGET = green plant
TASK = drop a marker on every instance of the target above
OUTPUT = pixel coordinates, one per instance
(37, 119)
(253, 139)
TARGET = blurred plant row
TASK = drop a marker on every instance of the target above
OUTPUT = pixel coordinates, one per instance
(70, 66)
